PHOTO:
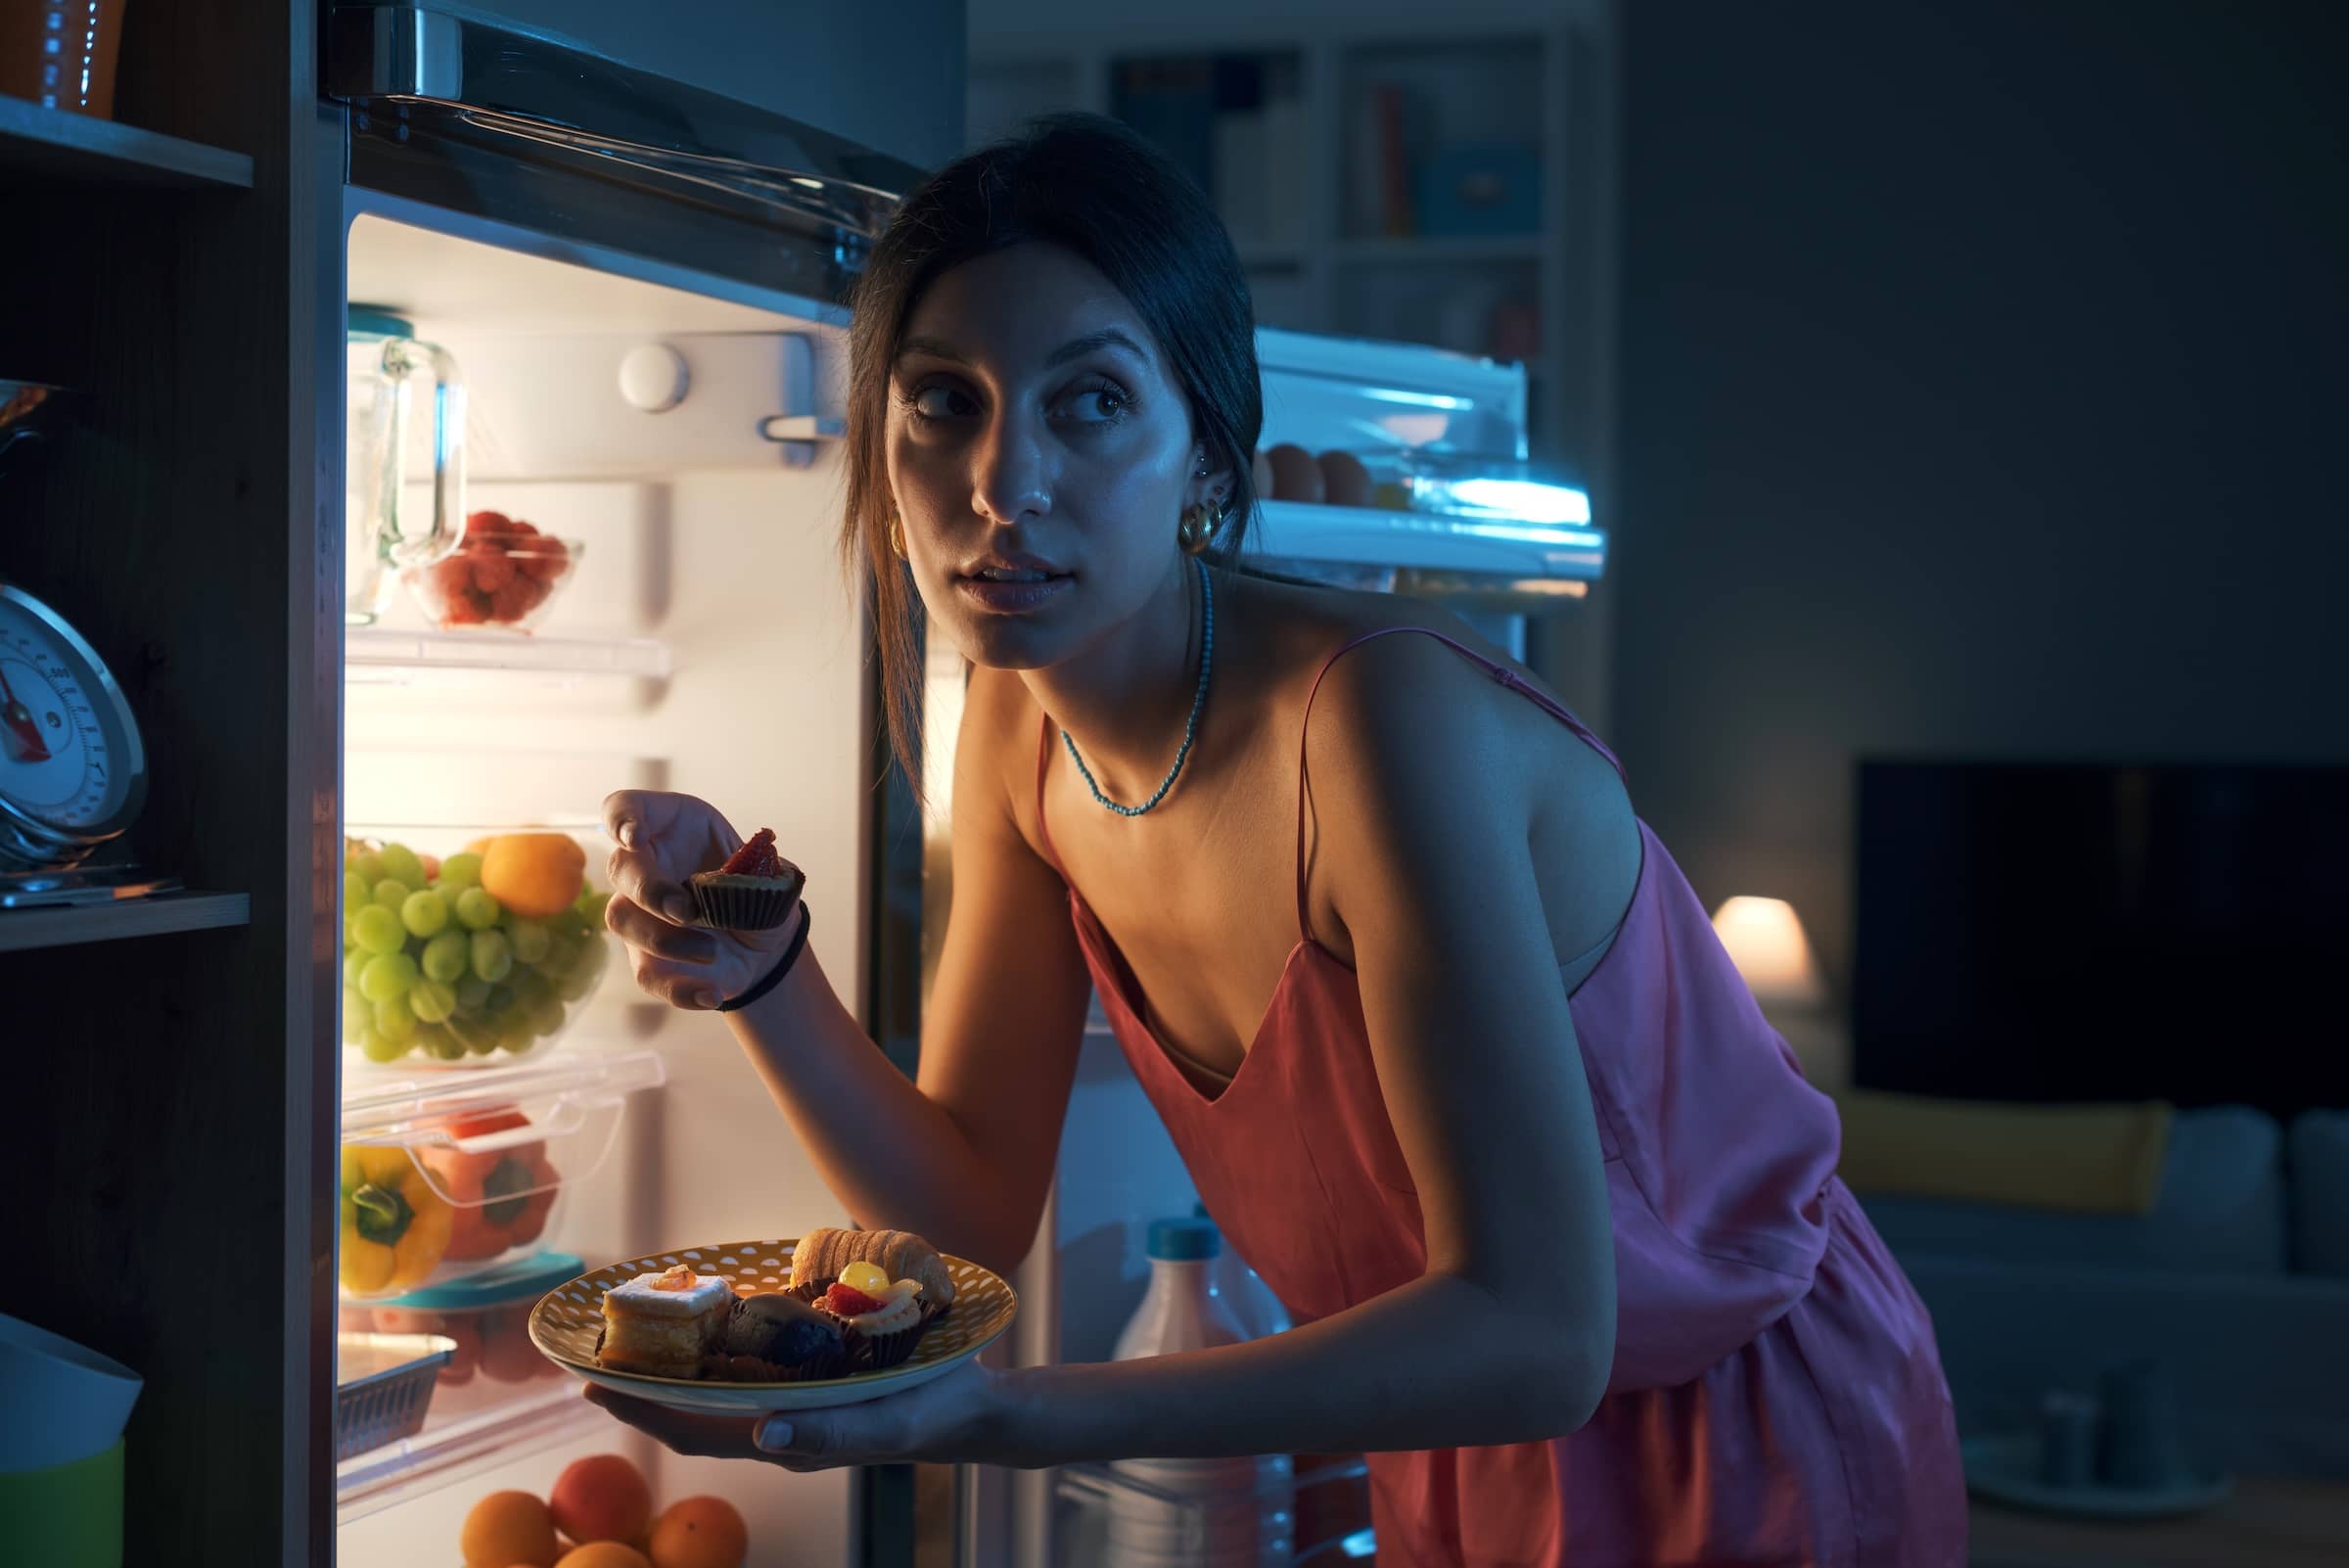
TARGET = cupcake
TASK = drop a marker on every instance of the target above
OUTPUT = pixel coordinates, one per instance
(775, 1338)
(754, 891)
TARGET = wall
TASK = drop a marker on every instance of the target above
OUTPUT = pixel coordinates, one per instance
(1981, 395)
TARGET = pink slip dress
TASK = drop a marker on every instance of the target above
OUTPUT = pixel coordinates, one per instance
(1776, 1397)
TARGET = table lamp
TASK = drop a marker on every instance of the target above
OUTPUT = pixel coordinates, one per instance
(1765, 939)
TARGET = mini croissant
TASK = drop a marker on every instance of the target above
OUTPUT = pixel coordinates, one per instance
(900, 1254)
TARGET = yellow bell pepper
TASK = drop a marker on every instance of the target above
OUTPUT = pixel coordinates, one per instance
(395, 1227)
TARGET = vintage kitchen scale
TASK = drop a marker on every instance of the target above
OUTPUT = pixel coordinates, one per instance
(72, 769)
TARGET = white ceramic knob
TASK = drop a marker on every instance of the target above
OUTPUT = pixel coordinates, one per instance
(653, 377)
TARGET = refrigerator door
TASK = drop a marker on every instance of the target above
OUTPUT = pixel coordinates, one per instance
(1523, 547)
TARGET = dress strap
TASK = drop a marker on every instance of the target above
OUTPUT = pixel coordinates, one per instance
(1501, 672)
(1043, 765)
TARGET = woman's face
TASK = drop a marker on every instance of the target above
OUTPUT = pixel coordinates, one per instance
(1041, 454)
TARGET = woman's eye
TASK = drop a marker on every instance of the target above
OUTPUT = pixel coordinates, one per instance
(1096, 405)
(935, 402)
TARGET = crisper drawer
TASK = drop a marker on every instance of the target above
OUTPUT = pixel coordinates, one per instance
(1314, 1511)
(447, 1175)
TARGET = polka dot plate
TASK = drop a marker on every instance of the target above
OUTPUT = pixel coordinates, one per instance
(565, 1323)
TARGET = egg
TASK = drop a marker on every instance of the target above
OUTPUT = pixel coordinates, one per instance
(1345, 481)
(1295, 477)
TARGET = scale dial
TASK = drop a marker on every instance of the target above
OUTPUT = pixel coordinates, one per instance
(72, 772)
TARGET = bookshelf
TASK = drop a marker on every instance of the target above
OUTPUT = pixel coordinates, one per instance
(1393, 180)
(1443, 178)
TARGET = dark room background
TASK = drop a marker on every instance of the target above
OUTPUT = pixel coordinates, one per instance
(1981, 397)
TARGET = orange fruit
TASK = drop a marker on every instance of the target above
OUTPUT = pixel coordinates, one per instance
(599, 1499)
(700, 1533)
(536, 875)
(507, 1530)
(603, 1554)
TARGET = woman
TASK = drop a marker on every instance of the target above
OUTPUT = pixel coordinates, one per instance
(1555, 1209)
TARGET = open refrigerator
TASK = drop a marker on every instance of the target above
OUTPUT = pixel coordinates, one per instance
(637, 284)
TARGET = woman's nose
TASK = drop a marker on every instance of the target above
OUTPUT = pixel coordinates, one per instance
(1010, 481)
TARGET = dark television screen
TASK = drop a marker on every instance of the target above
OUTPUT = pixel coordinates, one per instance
(2063, 932)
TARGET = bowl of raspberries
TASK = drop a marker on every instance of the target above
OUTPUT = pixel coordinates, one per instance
(502, 577)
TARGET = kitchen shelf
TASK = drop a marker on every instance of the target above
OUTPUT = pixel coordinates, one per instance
(23, 929)
(1434, 249)
(541, 1416)
(53, 144)
(389, 656)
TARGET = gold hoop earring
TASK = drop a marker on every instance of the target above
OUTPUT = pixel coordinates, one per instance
(1197, 529)
(896, 537)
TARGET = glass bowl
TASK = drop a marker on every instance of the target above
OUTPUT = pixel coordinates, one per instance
(494, 581)
(450, 973)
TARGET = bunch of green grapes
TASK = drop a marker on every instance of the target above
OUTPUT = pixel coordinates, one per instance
(433, 966)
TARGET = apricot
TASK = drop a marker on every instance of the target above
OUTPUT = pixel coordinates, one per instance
(700, 1533)
(509, 1530)
(603, 1554)
(536, 875)
(601, 1498)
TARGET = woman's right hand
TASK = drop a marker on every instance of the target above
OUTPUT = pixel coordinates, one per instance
(662, 839)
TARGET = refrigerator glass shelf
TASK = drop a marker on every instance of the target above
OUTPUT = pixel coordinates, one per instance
(539, 1417)
(393, 656)
(1377, 539)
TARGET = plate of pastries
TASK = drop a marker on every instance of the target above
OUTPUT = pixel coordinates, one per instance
(832, 1317)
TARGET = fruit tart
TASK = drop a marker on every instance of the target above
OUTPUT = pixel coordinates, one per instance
(754, 891)
(882, 1286)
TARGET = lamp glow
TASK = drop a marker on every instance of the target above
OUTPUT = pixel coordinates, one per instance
(1766, 942)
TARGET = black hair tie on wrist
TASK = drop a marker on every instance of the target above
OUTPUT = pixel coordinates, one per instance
(791, 955)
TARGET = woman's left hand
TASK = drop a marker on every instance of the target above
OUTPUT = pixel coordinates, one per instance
(948, 1420)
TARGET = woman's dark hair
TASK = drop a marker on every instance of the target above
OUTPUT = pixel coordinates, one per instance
(1094, 188)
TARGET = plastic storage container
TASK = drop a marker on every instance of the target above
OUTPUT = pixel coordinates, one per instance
(468, 947)
(383, 1387)
(444, 1178)
(1193, 1513)
(486, 1318)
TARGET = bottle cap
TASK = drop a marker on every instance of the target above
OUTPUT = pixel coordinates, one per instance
(1185, 1240)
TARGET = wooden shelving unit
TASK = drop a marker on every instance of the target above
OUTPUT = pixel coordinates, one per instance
(49, 144)
(22, 930)
(174, 270)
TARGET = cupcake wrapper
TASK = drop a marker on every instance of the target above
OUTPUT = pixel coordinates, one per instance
(869, 1352)
(741, 906)
(883, 1351)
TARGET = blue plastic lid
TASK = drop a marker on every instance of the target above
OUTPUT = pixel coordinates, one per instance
(1185, 1240)
(532, 1277)
(373, 321)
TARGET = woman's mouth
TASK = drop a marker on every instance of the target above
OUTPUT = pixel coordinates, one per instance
(1012, 589)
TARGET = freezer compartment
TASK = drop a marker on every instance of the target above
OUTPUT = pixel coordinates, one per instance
(446, 1175)
(468, 945)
